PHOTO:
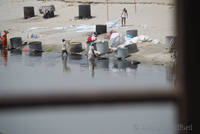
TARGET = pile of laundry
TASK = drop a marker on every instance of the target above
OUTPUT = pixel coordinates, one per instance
(117, 39)
(144, 38)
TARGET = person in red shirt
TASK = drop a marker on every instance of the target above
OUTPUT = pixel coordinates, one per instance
(4, 39)
(92, 38)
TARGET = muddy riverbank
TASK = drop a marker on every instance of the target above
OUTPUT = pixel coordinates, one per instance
(148, 53)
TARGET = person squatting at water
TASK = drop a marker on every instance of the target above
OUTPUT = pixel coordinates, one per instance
(91, 41)
(64, 48)
(4, 39)
(124, 16)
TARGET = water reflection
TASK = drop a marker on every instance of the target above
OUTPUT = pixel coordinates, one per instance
(65, 67)
(50, 67)
(75, 56)
(171, 73)
(99, 64)
(103, 64)
(122, 65)
(75, 59)
(4, 54)
(35, 53)
(32, 59)
(16, 51)
(92, 64)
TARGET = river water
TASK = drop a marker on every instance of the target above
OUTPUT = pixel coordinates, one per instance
(21, 73)
(152, 118)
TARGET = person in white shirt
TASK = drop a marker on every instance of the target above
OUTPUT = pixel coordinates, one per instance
(64, 47)
(124, 16)
(91, 52)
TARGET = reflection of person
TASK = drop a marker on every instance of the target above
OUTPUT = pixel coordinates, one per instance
(4, 55)
(124, 16)
(64, 47)
(91, 67)
(4, 39)
(65, 68)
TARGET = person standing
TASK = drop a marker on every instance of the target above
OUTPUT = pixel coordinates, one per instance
(124, 16)
(4, 39)
(64, 48)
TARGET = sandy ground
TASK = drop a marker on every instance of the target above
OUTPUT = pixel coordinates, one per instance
(154, 18)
